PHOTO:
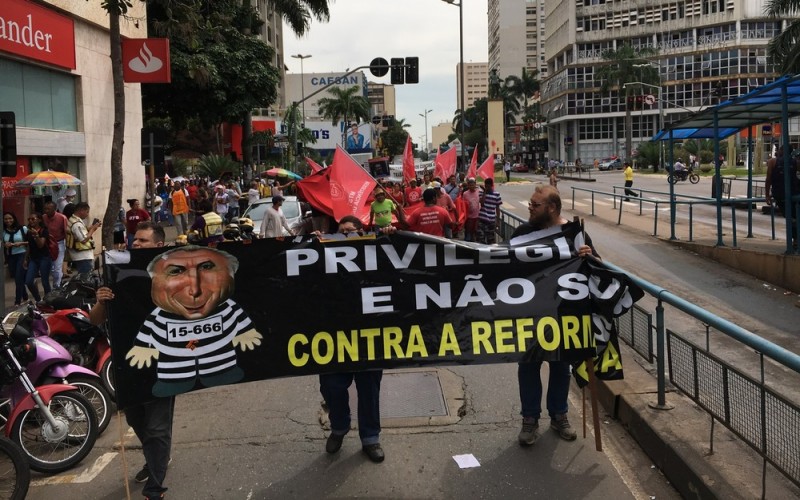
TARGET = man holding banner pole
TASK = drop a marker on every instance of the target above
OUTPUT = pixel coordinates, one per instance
(545, 218)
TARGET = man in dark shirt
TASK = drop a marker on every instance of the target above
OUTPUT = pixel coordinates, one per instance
(544, 208)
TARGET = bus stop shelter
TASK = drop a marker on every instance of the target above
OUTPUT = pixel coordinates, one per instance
(775, 102)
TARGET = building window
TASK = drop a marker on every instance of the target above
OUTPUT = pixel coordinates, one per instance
(41, 98)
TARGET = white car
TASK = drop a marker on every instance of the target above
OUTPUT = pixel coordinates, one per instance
(292, 209)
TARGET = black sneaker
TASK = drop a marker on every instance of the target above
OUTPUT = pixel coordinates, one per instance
(334, 443)
(530, 431)
(560, 424)
(143, 475)
(374, 452)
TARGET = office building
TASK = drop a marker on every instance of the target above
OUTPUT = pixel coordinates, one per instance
(707, 51)
(476, 83)
(516, 37)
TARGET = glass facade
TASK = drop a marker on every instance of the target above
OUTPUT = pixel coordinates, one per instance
(39, 97)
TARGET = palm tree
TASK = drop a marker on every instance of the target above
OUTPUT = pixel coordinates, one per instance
(298, 13)
(345, 104)
(784, 50)
(626, 66)
(521, 88)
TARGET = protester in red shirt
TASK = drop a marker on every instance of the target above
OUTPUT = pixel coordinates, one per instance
(56, 224)
(132, 219)
(413, 193)
(430, 219)
(443, 200)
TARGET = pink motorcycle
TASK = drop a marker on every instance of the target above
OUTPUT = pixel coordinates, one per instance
(53, 424)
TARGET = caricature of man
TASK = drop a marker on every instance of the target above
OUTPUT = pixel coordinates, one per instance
(196, 327)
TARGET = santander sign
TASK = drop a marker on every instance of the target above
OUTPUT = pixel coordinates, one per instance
(34, 32)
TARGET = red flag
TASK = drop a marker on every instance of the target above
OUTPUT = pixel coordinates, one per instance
(316, 190)
(315, 167)
(445, 164)
(350, 186)
(473, 165)
(408, 162)
(486, 170)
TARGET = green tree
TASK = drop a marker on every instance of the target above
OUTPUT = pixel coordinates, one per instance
(522, 89)
(784, 49)
(345, 105)
(627, 65)
(394, 137)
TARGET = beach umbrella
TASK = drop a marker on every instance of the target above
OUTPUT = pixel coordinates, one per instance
(48, 178)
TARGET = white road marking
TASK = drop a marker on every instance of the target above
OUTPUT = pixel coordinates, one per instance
(83, 477)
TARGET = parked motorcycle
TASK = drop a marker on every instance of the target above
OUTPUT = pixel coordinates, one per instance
(52, 364)
(53, 424)
(87, 344)
(683, 175)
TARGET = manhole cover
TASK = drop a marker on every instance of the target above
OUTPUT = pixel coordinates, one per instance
(407, 394)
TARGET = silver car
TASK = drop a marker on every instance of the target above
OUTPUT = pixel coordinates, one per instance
(292, 209)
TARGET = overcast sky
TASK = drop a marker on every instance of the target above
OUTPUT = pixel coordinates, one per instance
(360, 30)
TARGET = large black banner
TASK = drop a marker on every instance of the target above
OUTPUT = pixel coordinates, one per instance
(185, 318)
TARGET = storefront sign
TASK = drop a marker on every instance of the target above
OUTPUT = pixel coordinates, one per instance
(146, 60)
(35, 32)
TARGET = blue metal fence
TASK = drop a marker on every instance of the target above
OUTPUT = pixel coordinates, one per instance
(759, 415)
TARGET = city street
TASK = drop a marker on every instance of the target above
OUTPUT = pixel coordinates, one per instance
(266, 439)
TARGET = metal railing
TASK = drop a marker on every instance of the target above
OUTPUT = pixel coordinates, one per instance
(679, 200)
(759, 415)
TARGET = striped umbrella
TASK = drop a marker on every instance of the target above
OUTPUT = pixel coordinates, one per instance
(48, 178)
(282, 172)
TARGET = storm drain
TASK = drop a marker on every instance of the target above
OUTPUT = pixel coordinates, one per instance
(407, 394)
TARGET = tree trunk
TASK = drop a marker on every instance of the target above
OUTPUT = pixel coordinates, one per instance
(118, 137)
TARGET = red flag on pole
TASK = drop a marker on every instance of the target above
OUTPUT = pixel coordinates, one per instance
(473, 165)
(408, 161)
(316, 190)
(486, 170)
(315, 167)
(351, 186)
(445, 164)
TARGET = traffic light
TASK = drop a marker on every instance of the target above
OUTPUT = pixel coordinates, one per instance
(412, 69)
(636, 102)
(8, 144)
(398, 71)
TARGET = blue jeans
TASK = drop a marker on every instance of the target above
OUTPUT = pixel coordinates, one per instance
(333, 387)
(18, 273)
(83, 266)
(58, 272)
(36, 267)
(152, 423)
(530, 388)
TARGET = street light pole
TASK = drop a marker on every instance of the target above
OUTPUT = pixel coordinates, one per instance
(302, 85)
(661, 116)
(461, 47)
(426, 127)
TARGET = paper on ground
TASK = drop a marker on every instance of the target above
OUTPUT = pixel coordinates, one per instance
(466, 461)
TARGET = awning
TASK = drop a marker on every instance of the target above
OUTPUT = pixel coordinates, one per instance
(762, 105)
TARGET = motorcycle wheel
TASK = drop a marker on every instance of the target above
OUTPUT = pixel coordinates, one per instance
(107, 376)
(672, 179)
(15, 474)
(92, 389)
(694, 178)
(51, 449)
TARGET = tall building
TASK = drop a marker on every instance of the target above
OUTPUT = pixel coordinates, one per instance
(56, 79)
(272, 34)
(516, 37)
(707, 51)
(476, 83)
(383, 99)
